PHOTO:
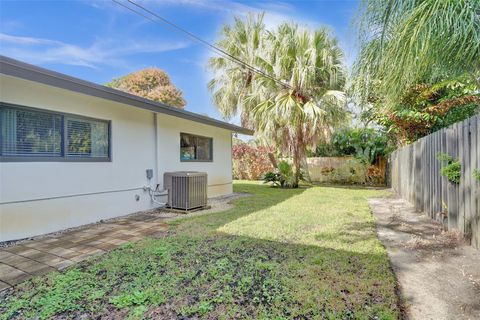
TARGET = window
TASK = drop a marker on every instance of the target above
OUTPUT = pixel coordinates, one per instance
(195, 148)
(28, 134)
(87, 138)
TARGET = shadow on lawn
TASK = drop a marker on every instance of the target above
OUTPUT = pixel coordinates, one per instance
(288, 280)
(291, 280)
(232, 277)
(211, 275)
(348, 277)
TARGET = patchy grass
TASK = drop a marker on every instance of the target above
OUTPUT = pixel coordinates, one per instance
(279, 254)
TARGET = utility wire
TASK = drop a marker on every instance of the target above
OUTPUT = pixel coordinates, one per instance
(212, 47)
(196, 38)
(134, 11)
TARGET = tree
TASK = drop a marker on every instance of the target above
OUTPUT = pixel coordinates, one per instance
(405, 42)
(232, 82)
(250, 161)
(425, 108)
(151, 83)
(292, 116)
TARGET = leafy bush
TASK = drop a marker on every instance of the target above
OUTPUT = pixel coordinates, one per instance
(272, 177)
(283, 177)
(452, 169)
(363, 143)
(250, 162)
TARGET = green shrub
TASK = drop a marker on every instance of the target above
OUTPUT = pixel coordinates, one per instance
(476, 174)
(452, 172)
(363, 143)
(283, 177)
(272, 177)
(452, 169)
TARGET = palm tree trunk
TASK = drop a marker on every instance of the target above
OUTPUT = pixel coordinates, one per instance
(297, 165)
(298, 152)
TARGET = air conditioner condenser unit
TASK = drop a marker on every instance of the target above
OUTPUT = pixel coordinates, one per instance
(187, 190)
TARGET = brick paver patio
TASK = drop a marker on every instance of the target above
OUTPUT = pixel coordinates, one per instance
(56, 252)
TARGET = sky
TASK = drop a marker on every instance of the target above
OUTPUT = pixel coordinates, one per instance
(99, 40)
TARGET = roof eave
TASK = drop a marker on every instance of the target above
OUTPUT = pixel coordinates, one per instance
(15, 68)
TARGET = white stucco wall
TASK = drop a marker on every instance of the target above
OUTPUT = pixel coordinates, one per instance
(74, 193)
(219, 170)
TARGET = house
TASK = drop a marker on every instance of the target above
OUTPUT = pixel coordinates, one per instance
(73, 152)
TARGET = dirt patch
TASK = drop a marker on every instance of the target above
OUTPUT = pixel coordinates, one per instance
(216, 204)
(438, 273)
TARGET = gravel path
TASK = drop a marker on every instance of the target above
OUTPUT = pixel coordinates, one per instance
(438, 274)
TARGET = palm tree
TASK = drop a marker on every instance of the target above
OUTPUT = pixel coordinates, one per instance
(232, 81)
(296, 115)
(403, 42)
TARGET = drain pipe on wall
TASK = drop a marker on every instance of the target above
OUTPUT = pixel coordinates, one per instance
(153, 173)
(155, 139)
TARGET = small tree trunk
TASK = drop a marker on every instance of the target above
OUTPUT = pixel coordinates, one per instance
(272, 159)
(297, 165)
(298, 153)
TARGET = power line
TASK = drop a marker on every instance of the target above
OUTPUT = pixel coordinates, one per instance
(212, 47)
(134, 11)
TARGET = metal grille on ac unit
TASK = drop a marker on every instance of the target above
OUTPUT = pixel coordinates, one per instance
(187, 190)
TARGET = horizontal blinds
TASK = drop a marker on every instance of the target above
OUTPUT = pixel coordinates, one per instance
(87, 138)
(30, 133)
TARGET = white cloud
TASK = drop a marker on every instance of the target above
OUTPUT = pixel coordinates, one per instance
(100, 52)
(6, 38)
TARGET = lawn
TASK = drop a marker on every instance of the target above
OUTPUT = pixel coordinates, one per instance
(309, 253)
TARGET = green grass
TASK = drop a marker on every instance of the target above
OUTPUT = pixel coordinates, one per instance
(308, 253)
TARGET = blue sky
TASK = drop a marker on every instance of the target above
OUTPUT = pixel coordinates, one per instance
(98, 40)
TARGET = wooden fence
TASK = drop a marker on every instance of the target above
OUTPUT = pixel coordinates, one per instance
(415, 176)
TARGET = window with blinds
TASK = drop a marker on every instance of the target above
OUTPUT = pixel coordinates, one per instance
(34, 135)
(30, 133)
(195, 148)
(87, 138)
